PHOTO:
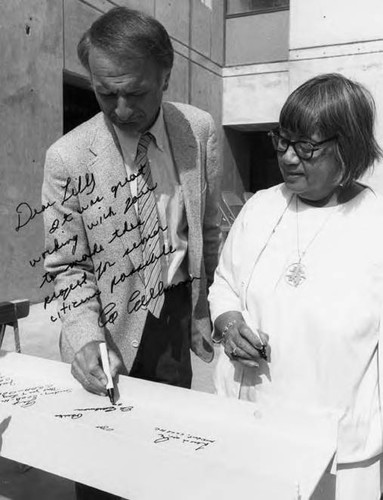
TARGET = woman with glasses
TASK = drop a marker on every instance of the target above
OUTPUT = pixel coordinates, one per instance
(298, 293)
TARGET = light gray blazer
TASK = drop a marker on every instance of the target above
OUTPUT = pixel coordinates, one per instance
(83, 258)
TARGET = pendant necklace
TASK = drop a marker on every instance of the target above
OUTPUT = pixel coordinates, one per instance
(296, 272)
(266, 244)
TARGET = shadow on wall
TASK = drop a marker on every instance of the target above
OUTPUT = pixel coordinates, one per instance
(80, 104)
(254, 158)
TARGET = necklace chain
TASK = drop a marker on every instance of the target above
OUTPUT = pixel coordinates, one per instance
(296, 272)
(269, 238)
(301, 255)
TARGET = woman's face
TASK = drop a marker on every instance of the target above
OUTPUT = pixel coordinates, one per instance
(313, 179)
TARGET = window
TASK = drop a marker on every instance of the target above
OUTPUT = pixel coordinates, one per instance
(245, 7)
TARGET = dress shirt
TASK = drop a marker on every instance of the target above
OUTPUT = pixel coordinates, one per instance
(169, 196)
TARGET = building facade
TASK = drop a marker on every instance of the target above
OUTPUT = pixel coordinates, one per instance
(237, 59)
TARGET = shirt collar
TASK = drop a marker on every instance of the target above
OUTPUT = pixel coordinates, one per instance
(158, 130)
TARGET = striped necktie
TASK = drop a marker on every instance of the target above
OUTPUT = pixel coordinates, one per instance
(148, 216)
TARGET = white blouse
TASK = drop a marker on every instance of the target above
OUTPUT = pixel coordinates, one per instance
(323, 334)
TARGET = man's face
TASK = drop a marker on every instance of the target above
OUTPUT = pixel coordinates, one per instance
(129, 92)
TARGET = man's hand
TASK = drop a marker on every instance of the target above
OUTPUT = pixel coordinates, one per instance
(239, 341)
(87, 368)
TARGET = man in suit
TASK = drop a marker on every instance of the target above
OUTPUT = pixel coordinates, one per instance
(132, 224)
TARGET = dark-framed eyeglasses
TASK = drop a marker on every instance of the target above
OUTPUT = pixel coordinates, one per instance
(303, 149)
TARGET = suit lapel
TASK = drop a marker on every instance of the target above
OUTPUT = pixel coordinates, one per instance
(185, 150)
(110, 176)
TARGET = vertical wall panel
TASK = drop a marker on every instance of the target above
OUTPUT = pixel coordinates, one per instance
(178, 90)
(144, 5)
(77, 18)
(257, 39)
(31, 119)
(207, 28)
(206, 91)
(218, 32)
(175, 16)
(201, 27)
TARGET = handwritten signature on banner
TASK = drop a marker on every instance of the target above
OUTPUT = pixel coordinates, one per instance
(46, 398)
(84, 280)
(80, 412)
(167, 435)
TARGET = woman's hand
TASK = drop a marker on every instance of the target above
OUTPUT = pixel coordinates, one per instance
(239, 341)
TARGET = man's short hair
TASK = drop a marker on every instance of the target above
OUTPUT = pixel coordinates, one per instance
(335, 106)
(126, 33)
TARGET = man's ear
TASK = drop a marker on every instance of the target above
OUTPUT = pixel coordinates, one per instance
(166, 79)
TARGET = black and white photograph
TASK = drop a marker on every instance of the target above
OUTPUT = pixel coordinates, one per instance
(191, 250)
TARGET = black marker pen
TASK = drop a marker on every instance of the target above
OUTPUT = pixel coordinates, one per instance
(106, 368)
(262, 350)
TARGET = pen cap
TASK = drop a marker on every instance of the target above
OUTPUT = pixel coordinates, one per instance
(105, 364)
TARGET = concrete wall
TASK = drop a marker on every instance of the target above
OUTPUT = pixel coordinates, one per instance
(257, 38)
(255, 77)
(345, 37)
(324, 36)
(254, 94)
(40, 39)
(255, 81)
(31, 118)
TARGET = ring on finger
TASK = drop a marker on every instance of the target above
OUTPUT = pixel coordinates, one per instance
(234, 352)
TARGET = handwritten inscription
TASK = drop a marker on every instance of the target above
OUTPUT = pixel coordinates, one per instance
(153, 258)
(5, 380)
(91, 203)
(126, 228)
(74, 304)
(80, 198)
(79, 412)
(102, 268)
(132, 200)
(28, 396)
(96, 249)
(100, 219)
(135, 305)
(25, 213)
(84, 184)
(107, 409)
(109, 313)
(49, 278)
(56, 247)
(71, 416)
(143, 241)
(104, 427)
(64, 292)
(129, 418)
(56, 224)
(166, 435)
(120, 184)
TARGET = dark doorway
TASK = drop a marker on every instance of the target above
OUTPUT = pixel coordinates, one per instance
(264, 170)
(254, 157)
(80, 103)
